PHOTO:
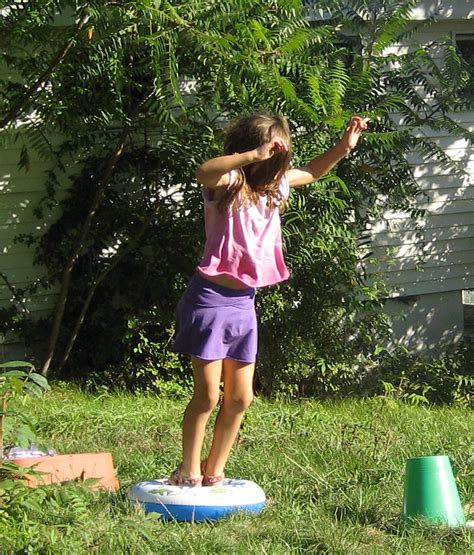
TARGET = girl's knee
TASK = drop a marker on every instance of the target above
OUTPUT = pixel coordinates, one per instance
(238, 403)
(205, 401)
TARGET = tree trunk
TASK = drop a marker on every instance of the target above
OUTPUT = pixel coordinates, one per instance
(66, 275)
(90, 294)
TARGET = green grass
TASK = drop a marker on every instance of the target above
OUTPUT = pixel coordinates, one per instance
(333, 474)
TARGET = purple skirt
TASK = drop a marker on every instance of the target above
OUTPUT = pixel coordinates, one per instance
(214, 322)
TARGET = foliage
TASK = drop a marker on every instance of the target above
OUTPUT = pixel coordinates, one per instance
(318, 326)
(18, 426)
(148, 364)
(325, 323)
(447, 379)
(15, 384)
(140, 97)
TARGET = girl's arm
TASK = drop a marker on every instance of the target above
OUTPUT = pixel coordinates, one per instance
(321, 165)
(215, 172)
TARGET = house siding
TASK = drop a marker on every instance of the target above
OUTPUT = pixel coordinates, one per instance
(429, 262)
(20, 193)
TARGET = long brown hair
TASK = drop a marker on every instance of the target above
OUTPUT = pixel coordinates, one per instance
(258, 178)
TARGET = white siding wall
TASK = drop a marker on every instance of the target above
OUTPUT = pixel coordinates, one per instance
(427, 324)
(457, 9)
(20, 192)
(429, 262)
(440, 243)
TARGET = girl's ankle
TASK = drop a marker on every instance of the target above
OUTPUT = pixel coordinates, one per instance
(211, 471)
(211, 479)
(190, 473)
(179, 478)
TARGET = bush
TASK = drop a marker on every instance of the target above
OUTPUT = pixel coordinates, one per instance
(139, 99)
(447, 379)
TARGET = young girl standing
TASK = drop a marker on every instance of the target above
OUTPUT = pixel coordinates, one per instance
(244, 191)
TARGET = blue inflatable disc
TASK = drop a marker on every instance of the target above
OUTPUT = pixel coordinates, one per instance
(187, 504)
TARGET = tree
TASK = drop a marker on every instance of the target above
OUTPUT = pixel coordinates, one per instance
(139, 98)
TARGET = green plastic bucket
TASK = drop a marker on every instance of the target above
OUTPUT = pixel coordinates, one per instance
(431, 492)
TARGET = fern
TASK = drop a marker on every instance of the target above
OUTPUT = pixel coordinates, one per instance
(337, 82)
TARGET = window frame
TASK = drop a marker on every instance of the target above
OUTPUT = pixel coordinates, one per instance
(468, 93)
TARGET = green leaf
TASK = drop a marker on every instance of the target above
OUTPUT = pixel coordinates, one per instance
(16, 364)
(13, 374)
(40, 380)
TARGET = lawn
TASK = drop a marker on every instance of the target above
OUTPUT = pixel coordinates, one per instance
(333, 473)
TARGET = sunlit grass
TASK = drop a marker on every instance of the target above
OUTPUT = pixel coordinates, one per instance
(333, 474)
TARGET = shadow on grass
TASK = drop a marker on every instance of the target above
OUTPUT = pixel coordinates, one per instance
(369, 516)
(447, 538)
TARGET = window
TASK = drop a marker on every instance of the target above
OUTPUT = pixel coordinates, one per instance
(465, 46)
(468, 307)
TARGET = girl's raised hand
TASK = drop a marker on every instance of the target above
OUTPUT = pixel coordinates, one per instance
(353, 132)
(267, 150)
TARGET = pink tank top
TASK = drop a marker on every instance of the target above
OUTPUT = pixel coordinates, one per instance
(245, 244)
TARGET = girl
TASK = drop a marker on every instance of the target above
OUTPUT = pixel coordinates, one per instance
(244, 191)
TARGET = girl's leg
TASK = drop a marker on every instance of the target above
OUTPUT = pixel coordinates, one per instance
(207, 378)
(238, 395)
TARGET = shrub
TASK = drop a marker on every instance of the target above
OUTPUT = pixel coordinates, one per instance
(139, 97)
(446, 379)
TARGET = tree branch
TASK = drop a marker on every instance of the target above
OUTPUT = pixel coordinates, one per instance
(66, 275)
(79, 244)
(13, 291)
(23, 103)
(85, 307)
